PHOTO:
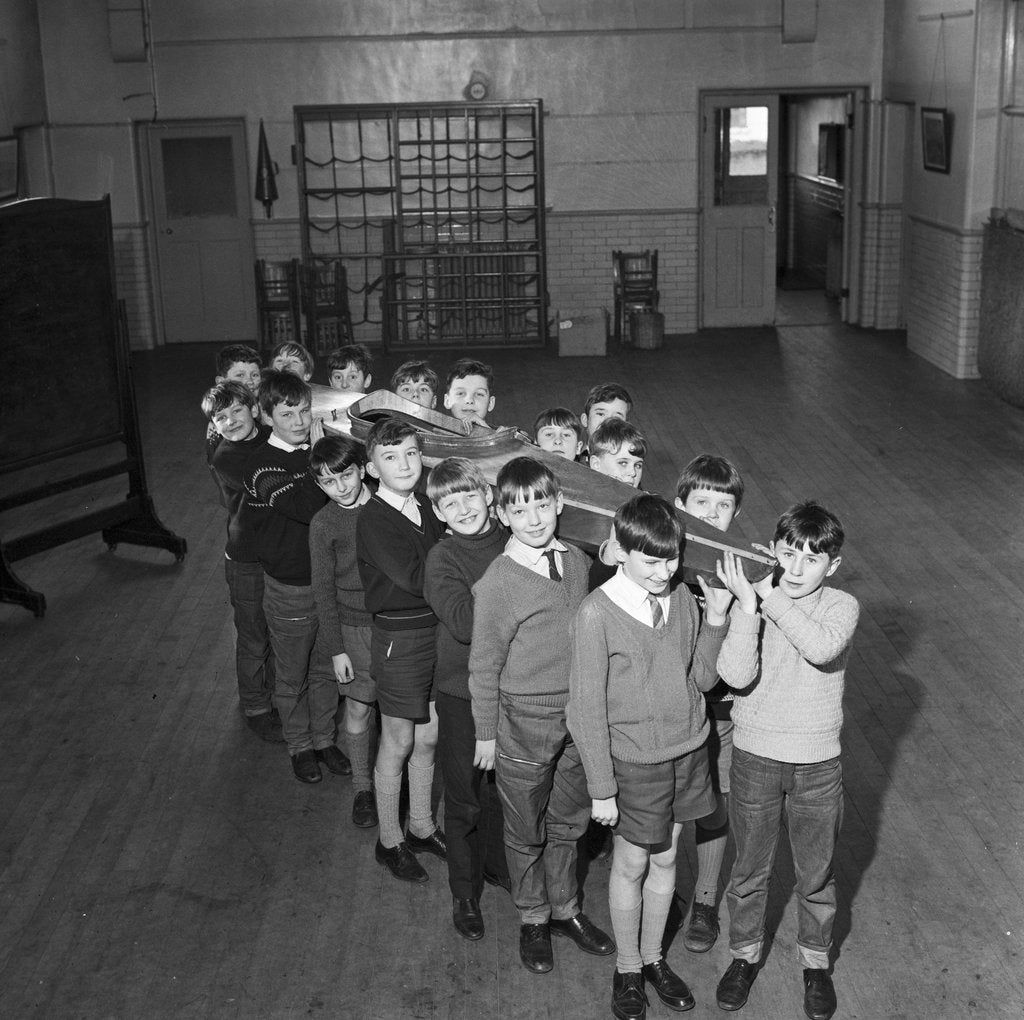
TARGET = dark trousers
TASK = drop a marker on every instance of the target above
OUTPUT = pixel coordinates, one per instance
(544, 797)
(472, 811)
(254, 660)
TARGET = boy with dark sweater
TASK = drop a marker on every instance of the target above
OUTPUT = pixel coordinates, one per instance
(395, 531)
(519, 684)
(472, 813)
(640, 659)
(282, 498)
(230, 408)
(787, 658)
(343, 636)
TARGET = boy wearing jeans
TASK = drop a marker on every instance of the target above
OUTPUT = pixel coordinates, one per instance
(787, 660)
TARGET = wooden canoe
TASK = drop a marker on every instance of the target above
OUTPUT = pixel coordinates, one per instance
(591, 498)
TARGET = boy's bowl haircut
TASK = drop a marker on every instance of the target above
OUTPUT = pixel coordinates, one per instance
(648, 524)
(612, 433)
(414, 371)
(335, 454)
(811, 524)
(525, 478)
(469, 366)
(559, 418)
(389, 431)
(279, 387)
(709, 472)
(605, 393)
(353, 354)
(454, 474)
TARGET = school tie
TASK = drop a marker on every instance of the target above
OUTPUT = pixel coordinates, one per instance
(657, 616)
(552, 566)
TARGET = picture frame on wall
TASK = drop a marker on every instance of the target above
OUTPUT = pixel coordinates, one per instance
(936, 136)
(8, 168)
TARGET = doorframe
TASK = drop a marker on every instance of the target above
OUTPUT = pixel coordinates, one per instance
(855, 171)
(140, 129)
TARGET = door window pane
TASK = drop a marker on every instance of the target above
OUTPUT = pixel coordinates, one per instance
(741, 155)
(199, 177)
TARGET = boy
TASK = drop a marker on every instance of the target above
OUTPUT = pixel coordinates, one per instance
(711, 489)
(241, 364)
(618, 449)
(416, 381)
(786, 745)
(467, 390)
(559, 431)
(606, 400)
(641, 658)
(230, 408)
(343, 636)
(348, 369)
(292, 357)
(472, 816)
(394, 533)
(519, 684)
(283, 497)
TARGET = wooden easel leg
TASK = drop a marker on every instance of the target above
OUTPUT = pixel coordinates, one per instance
(13, 589)
(145, 528)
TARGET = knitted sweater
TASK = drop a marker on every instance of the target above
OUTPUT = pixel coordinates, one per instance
(521, 636)
(789, 699)
(635, 692)
(454, 565)
(227, 465)
(392, 555)
(282, 497)
(337, 587)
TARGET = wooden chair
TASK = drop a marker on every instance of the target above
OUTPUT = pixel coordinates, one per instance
(635, 276)
(277, 302)
(325, 303)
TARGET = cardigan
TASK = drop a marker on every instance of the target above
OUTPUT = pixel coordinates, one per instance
(520, 636)
(635, 692)
(788, 664)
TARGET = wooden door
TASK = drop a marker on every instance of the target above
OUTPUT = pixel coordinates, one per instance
(739, 197)
(201, 216)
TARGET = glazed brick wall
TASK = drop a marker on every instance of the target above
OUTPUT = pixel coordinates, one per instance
(944, 296)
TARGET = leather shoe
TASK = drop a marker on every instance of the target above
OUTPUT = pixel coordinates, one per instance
(364, 810)
(334, 759)
(585, 934)
(734, 987)
(401, 862)
(467, 919)
(535, 948)
(305, 767)
(819, 994)
(702, 931)
(432, 844)
(671, 988)
(266, 726)
(629, 1002)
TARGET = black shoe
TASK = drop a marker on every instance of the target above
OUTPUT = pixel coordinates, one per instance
(819, 994)
(734, 987)
(364, 810)
(629, 1002)
(585, 934)
(702, 931)
(334, 759)
(432, 844)
(501, 882)
(266, 727)
(535, 948)
(305, 767)
(467, 919)
(671, 988)
(401, 862)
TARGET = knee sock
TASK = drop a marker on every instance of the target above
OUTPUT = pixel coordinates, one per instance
(652, 931)
(359, 755)
(625, 908)
(710, 855)
(421, 819)
(388, 790)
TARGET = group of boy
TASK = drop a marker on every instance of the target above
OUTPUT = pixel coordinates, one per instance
(449, 611)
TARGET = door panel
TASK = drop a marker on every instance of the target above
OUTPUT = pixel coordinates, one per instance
(739, 192)
(199, 188)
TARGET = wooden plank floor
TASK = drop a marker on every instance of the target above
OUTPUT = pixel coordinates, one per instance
(156, 860)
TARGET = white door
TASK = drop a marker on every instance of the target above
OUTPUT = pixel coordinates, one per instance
(199, 197)
(739, 197)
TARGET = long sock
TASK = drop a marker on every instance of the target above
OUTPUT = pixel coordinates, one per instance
(359, 754)
(710, 855)
(652, 931)
(389, 789)
(625, 907)
(421, 820)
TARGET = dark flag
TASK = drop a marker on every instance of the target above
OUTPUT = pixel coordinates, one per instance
(266, 185)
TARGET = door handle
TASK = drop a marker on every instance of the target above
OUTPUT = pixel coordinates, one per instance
(771, 217)
(167, 230)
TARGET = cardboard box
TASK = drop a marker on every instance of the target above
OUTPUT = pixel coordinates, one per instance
(583, 336)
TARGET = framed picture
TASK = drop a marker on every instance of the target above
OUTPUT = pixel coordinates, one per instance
(8, 168)
(936, 126)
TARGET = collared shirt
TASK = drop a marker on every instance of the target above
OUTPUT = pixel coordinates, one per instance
(533, 559)
(632, 598)
(274, 440)
(405, 505)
